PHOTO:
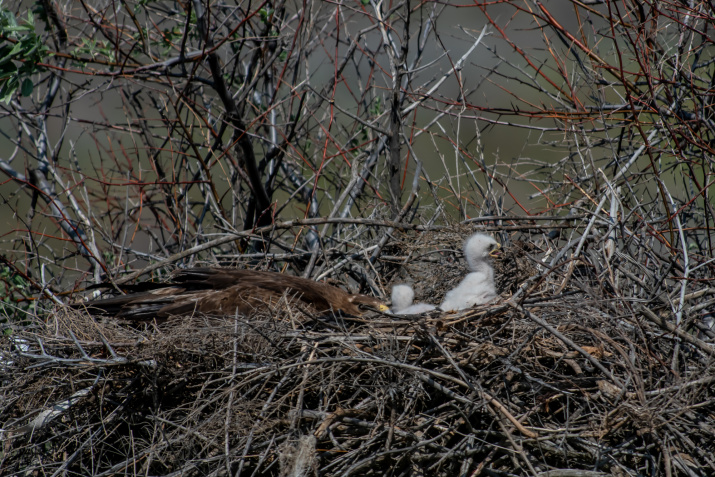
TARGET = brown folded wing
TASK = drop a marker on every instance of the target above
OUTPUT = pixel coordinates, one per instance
(229, 291)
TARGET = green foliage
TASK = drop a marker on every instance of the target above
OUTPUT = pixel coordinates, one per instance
(10, 281)
(21, 53)
(14, 305)
(95, 48)
(266, 14)
(170, 38)
(376, 108)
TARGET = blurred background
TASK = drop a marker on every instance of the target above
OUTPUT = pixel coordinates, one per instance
(135, 131)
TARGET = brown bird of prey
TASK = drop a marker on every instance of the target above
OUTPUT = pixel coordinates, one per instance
(221, 291)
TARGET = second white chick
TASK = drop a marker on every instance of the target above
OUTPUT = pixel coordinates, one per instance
(402, 298)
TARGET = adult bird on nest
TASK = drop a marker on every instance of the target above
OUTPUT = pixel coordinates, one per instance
(402, 298)
(477, 287)
(221, 291)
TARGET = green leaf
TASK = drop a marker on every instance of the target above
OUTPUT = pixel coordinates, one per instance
(8, 89)
(19, 46)
(27, 87)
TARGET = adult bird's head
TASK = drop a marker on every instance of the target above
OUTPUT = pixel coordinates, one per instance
(362, 303)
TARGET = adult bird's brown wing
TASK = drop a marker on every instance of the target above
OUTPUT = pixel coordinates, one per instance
(227, 291)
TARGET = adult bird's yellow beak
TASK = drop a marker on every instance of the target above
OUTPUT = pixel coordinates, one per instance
(383, 308)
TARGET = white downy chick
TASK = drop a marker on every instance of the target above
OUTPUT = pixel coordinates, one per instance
(402, 297)
(477, 287)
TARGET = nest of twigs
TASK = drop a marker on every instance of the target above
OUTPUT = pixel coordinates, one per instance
(577, 370)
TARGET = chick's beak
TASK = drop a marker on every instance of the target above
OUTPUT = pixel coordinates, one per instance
(496, 252)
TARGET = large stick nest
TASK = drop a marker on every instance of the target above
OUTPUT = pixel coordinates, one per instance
(572, 370)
